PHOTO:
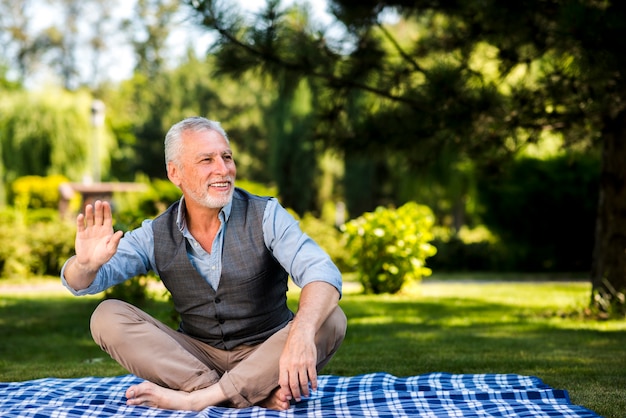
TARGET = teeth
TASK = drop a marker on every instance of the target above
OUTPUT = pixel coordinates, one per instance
(220, 184)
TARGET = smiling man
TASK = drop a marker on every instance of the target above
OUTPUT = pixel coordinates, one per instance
(225, 255)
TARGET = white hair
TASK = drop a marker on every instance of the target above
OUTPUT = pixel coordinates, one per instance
(173, 143)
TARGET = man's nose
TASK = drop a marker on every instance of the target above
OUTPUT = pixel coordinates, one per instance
(221, 165)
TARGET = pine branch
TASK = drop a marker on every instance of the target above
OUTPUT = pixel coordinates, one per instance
(330, 78)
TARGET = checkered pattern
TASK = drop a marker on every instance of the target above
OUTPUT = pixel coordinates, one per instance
(372, 395)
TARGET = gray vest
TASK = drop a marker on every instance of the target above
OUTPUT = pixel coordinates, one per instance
(250, 303)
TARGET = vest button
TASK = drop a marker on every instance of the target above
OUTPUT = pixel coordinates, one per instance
(218, 300)
(221, 321)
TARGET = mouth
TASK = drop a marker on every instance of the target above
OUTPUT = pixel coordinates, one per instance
(221, 184)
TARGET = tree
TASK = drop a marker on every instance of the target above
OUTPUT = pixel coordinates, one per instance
(293, 139)
(149, 30)
(20, 49)
(141, 110)
(45, 134)
(478, 80)
(70, 46)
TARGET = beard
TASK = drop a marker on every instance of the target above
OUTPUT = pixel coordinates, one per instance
(218, 202)
(212, 201)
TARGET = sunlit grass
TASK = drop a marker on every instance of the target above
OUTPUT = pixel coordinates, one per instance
(529, 328)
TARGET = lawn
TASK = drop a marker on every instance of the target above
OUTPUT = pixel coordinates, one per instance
(529, 328)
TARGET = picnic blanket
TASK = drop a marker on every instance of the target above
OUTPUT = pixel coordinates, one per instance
(370, 395)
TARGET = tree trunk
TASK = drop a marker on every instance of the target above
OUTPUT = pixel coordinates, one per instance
(608, 273)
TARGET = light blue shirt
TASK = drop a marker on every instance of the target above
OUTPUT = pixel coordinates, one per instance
(299, 255)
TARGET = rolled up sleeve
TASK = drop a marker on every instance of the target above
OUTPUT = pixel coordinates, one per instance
(299, 254)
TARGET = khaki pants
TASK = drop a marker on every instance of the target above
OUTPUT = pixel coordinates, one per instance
(155, 352)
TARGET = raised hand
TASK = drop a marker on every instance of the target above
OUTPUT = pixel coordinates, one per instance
(96, 242)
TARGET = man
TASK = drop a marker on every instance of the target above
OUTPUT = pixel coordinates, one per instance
(225, 256)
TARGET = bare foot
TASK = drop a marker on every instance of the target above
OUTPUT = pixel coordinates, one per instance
(150, 394)
(275, 401)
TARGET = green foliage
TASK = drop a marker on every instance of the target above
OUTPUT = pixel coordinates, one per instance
(34, 242)
(293, 158)
(389, 247)
(257, 188)
(453, 254)
(51, 244)
(36, 192)
(134, 291)
(132, 208)
(449, 91)
(48, 133)
(7, 84)
(143, 108)
(544, 211)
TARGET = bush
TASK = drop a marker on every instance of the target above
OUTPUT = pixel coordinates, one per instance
(133, 291)
(389, 247)
(35, 192)
(51, 243)
(130, 209)
(34, 242)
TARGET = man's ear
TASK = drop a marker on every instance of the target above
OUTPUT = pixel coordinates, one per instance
(173, 173)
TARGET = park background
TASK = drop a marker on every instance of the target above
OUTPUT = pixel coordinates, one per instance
(474, 140)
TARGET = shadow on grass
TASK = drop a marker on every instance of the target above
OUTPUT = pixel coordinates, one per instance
(466, 334)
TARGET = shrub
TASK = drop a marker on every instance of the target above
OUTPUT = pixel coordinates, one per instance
(389, 247)
(133, 291)
(33, 242)
(35, 192)
(50, 243)
(130, 209)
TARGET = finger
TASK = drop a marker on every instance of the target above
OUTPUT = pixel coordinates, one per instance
(283, 382)
(107, 214)
(313, 378)
(114, 241)
(80, 222)
(98, 213)
(89, 215)
(294, 385)
(304, 384)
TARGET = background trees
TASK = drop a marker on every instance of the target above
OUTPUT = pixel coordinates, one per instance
(462, 81)
(508, 116)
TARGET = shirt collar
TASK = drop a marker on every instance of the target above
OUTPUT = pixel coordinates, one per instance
(182, 223)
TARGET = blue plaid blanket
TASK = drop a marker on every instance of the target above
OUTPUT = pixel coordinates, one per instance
(370, 395)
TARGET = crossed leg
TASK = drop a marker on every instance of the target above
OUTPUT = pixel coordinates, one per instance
(184, 373)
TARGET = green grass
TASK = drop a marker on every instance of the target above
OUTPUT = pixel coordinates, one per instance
(528, 328)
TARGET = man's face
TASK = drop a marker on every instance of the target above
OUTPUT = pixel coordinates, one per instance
(206, 169)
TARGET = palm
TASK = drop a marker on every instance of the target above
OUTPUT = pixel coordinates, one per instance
(96, 242)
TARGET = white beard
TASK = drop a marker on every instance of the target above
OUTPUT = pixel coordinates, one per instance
(212, 202)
